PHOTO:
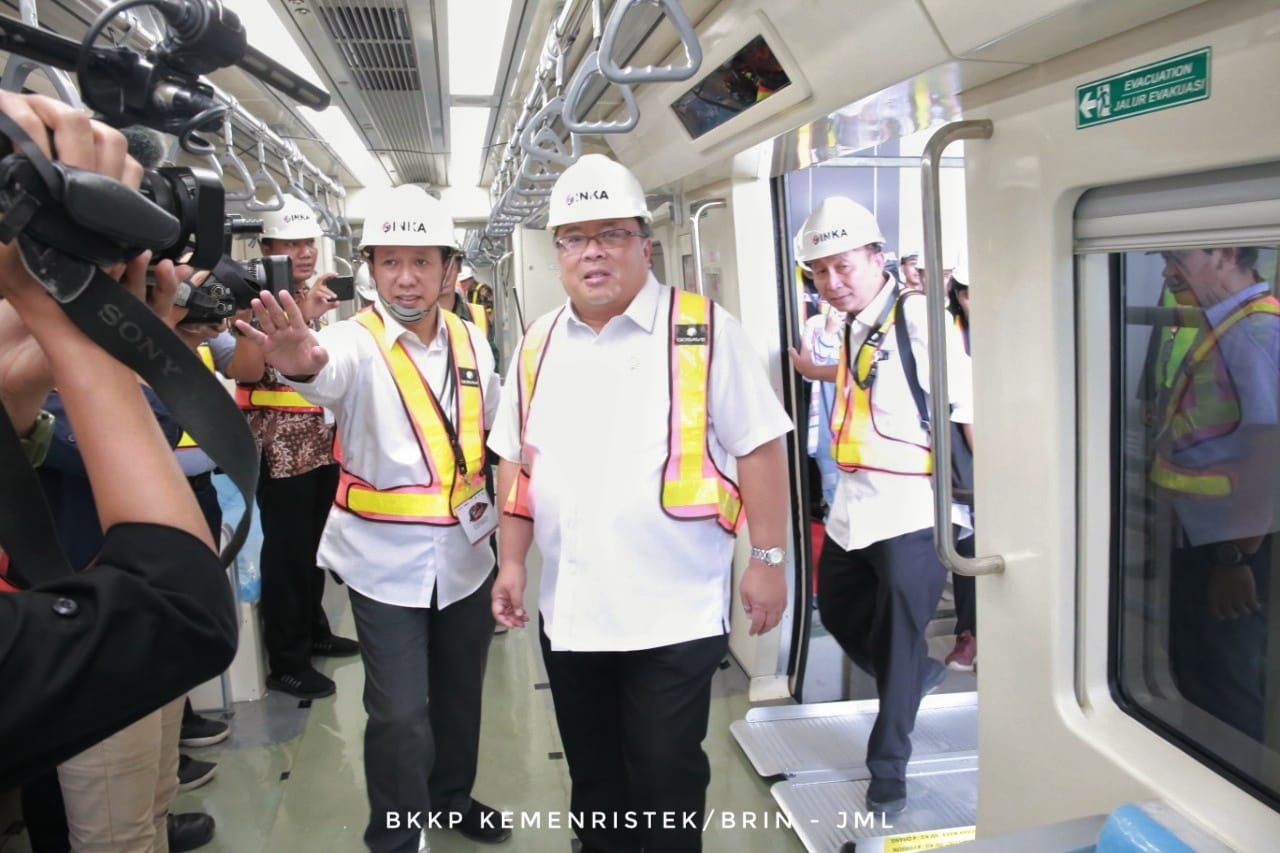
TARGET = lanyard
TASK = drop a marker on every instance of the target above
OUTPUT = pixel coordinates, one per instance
(449, 394)
(872, 343)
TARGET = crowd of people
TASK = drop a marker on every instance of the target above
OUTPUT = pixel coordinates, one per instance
(376, 434)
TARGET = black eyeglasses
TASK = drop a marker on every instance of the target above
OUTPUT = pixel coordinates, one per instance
(610, 238)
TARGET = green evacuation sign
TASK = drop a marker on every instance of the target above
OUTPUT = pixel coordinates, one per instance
(1158, 86)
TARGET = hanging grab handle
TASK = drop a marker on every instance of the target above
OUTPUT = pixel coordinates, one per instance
(578, 86)
(228, 159)
(542, 143)
(938, 392)
(650, 73)
(263, 176)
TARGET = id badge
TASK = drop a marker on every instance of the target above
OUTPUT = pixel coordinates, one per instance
(477, 517)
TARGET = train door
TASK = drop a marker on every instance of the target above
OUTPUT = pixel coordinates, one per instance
(1134, 491)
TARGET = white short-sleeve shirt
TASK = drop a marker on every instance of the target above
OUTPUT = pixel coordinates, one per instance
(617, 573)
(398, 564)
(872, 506)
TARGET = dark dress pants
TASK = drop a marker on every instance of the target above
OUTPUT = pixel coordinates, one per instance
(1219, 665)
(294, 511)
(965, 591)
(632, 724)
(423, 681)
(877, 602)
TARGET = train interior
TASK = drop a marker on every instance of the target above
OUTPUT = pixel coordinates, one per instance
(1056, 151)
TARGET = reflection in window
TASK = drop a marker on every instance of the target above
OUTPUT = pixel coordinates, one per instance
(750, 76)
(1199, 648)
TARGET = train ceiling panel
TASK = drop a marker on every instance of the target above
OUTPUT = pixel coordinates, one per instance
(383, 61)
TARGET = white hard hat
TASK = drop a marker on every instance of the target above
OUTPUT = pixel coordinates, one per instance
(838, 225)
(408, 216)
(364, 284)
(596, 187)
(911, 255)
(295, 221)
(465, 272)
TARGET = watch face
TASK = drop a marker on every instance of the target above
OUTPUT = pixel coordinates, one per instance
(774, 556)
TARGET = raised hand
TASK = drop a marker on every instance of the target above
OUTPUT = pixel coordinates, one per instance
(287, 343)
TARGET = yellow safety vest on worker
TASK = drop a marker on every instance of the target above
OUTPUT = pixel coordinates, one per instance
(856, 442)
(454, 457)
(1201, 405)
(693, 487)
(186, 442)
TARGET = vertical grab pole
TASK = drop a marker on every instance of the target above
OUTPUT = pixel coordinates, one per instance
(695, 215)
(938, 392)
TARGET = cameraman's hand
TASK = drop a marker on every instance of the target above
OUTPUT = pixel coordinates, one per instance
(287, 343)
(319, 298)
(78, 142)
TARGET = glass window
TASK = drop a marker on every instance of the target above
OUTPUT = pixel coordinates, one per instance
(1196, 648)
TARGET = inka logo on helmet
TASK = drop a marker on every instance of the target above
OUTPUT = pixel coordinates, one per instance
(586, 195)
(824, 236)
(407, 227)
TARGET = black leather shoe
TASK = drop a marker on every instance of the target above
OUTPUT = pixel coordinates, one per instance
(305, 683)
(887, 795)
(189, 831)
(334, 647)
(481, 823)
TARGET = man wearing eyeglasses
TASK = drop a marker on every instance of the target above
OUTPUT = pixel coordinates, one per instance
(879, 580)
(623, 414)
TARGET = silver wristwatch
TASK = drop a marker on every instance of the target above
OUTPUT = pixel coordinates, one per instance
(769, 556)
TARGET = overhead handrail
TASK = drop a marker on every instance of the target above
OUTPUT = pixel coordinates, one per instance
(578, 86)
(228, 159)
(930, 164)
(536, 172)
(650, 73)
(263, 176)
(540, 142)
(695, 232)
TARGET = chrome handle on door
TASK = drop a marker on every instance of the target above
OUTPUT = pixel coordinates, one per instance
(939, 396)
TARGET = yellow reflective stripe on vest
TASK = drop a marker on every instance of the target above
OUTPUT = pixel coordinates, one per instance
(533, 350)
(282, 397)
(429, 503)
(186, 442)
(856, 443)
(692, 487)
(1215, 409)
(479, 317)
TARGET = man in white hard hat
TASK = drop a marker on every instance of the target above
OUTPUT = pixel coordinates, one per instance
(879, 579)
(455, 295)
(617, 466)
(910, 270)
(413, 389)
(298, 475)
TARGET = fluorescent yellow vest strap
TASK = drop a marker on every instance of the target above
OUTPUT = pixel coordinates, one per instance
(447, 486)
(282, 398)
(533, 350)
(1215, 409)
(693, 487)
(479, 317)
(186, 442)
(856, 443)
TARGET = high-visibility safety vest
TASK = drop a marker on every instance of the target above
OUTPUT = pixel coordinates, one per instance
(455, 468)
(186, 442)
(856, 443)
(479, 317)
(693, 487)
(281, 398)
(1202, 405)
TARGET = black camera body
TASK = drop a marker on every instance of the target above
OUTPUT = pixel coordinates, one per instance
(232, 286)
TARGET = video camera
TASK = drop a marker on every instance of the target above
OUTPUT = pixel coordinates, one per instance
(232, 285)
(178, 211)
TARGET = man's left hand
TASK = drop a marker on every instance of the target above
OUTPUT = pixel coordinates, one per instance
(764, 596)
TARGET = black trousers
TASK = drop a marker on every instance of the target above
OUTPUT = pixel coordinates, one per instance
(294, 511)
(877, 602)
(1220, 665)
(423, 684)
(632, 724)
(965, 593)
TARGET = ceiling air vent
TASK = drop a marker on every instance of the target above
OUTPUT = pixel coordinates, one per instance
(377, 43)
